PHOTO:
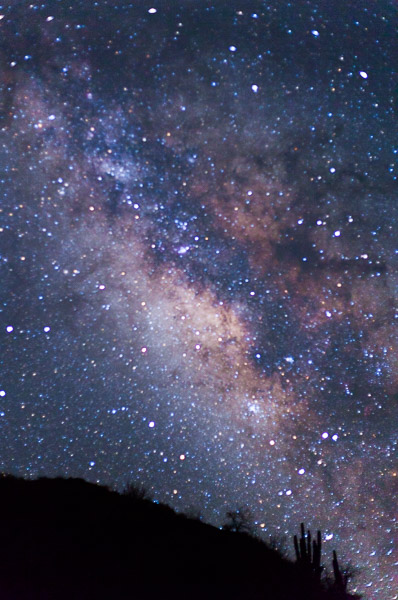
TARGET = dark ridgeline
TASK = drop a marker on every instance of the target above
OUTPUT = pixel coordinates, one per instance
(69, 539)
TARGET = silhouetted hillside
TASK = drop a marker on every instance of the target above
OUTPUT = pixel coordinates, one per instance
(69, 539)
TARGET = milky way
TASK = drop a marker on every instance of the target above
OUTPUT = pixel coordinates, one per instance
(198, 244)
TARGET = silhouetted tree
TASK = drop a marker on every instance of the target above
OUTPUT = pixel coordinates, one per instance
(136, 492)
(239, 520)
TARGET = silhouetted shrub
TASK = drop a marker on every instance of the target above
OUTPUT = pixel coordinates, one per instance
(136, 492)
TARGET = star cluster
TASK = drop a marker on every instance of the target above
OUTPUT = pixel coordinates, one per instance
(198, 246)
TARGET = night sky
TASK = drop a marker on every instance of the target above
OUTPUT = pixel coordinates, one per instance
(199, 263)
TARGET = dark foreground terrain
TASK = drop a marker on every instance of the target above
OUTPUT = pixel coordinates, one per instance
(69, 539)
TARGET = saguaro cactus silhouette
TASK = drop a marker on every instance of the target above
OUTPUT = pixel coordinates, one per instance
(308, 552)
(340, 579)
(308, 555)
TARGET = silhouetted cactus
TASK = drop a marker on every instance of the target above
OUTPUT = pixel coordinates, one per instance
(339, 581)
(308, 552)
(308, 555)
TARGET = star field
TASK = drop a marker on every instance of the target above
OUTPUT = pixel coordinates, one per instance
(198, 249)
